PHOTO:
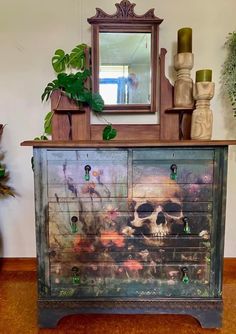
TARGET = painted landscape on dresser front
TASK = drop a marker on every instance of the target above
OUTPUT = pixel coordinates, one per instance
(129, 228)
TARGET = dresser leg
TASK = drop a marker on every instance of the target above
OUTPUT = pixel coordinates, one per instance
(209, 319)
(49, 318)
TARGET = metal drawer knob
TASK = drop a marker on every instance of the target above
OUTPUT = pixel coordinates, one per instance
(186, 225)
(75, 275)
(87, 169)
(73, 224)
(173, 174)
(185, 278)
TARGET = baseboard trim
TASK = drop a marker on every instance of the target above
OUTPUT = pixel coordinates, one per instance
(18, 264)
(30, 264)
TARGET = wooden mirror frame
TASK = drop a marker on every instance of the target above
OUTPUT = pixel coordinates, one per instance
(168, 126)
(125, 20)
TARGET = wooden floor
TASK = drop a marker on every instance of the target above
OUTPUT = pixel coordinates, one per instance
(18, 312)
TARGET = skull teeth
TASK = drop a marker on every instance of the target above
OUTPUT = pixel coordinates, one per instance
(159, 234)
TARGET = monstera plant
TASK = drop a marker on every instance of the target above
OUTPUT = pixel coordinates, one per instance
(72, 78)
(228, 75)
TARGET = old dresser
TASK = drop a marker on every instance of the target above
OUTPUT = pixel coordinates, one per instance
(135, 228)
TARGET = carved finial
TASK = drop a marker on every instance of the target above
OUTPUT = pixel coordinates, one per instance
(125, 11)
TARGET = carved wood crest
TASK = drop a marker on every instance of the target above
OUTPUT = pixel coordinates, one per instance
(124, 12)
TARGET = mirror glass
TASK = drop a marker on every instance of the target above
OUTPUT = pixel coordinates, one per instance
(125, 67)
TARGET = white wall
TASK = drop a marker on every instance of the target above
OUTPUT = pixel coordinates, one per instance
(30, 32)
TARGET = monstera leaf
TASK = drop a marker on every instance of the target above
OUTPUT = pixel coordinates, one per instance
(60, 61)
(48, 123)
(77, 57)
(51, 86)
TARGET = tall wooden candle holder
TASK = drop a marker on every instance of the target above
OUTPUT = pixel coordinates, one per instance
(202, 119)
(183, 88)
(183, 62)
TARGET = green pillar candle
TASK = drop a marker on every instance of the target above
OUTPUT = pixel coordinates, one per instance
(204, 75)
(185, 40)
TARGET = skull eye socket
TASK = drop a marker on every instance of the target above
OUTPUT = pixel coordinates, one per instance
(145, 210)
(174, 209)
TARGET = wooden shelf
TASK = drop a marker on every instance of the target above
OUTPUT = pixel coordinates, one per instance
(179, 110)
(184, 131)
(134, 143)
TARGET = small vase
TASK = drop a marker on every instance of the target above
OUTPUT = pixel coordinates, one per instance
(202, 119)
(183, 88)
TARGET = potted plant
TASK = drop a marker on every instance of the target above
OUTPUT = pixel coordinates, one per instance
(5, 190)
(73, 82)
(228, 76)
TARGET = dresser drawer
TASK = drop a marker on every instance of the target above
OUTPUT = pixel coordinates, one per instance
(185, 192)
(88, 216)
(185, 174)
(130, 278)
(161, 255)
(90, 173)
(163, 217)
(161, 171)
(101, 171)
(116, 244)
(86, 190)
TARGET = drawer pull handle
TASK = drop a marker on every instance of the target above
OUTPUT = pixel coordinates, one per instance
(185, 278)
(186, 226)
(87, 169)
(173, 174)
(75, 275)
(73, 224)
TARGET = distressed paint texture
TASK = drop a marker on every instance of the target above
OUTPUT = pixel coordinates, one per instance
(123, 234)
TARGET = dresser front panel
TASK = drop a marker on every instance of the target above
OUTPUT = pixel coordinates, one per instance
(132, 229)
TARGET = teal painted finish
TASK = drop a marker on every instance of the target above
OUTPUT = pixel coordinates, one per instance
(122, 232)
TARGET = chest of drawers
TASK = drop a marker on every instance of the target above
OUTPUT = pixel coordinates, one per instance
(130, 230)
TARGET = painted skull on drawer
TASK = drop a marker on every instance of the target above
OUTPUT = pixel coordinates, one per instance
(156, 215)
(156, 218)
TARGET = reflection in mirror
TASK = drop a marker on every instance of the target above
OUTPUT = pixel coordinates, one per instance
(125, 67)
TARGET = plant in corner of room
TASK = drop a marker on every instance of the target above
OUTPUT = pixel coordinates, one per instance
(5, 190)
(73, 80)
(228, 75)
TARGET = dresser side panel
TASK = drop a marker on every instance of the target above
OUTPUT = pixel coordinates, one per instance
(41, 220)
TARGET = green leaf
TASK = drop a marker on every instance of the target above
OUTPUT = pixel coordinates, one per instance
(109, 132)
(36, 138)
(48, 123)
(43, 137)
(60, 61)
(84, 97)
(63, 80)
(51, 86)
(77, 57)
(97, 102)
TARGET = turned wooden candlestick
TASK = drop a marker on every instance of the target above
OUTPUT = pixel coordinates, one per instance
(183, 88)
(202, 119)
